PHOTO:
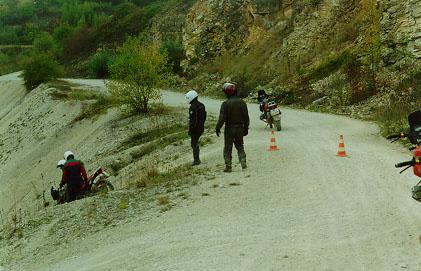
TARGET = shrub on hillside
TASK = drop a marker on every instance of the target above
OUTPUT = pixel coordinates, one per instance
(8, 35)
(40, 68)
(63, 32)
(82, 42)
(175, 52)
(45, 44)
(137, 73)
(403, 101)
(336, 87)
(99, 64)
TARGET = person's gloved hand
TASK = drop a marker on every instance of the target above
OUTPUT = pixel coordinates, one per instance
(246, 131)
(218, 132)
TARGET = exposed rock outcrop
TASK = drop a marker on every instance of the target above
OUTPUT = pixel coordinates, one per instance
(215, 26)
(401, 30)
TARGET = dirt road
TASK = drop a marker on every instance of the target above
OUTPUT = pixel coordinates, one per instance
(300, 208)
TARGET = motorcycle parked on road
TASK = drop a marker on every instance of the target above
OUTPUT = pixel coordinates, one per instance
(414, 136)
(97, 182)
(271, 114)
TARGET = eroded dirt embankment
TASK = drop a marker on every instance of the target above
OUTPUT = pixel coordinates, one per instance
(37, 127)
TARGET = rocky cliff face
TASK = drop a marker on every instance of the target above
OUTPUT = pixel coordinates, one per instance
(288, 34)
(289, 45)
(214, 27)
(302, 30)
(401, 30)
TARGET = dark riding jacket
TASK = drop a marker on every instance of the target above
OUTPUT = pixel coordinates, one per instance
(233, 113)
(197, 117)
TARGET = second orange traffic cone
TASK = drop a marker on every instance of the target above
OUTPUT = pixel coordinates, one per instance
(341, 150)
(273, 146)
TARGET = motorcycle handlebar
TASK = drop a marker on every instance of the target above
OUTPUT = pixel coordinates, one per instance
(404, 164)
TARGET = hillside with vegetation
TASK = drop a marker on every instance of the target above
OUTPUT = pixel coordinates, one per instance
(82, 36)
(351, 57)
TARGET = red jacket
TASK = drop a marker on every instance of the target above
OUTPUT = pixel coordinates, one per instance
(74, 173)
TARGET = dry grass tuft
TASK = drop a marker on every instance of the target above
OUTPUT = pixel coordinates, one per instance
(163, 200)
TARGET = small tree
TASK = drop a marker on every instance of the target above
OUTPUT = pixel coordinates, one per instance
(40, 68)
(100, 62)
(45, 43)
(137, 73)
(176, 54)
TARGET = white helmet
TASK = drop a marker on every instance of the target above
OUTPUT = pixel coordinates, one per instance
(67, 154)
(191, 95)
(61, 163)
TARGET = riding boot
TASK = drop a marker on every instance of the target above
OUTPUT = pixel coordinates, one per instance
(228, 162)
(196, 157)
(196, 149)
(228, 168)
(243, 163)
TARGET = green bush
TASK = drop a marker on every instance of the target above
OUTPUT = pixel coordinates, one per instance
(393, 118)
(63, 32)
(137, 73)
(176, 54)
(40, 68)
(4, 58)
(45, 44)
(12, 59)
(100, 63)
(407, 99)
(412, 84)
(78, 13)
(8, 35)
(82, 42)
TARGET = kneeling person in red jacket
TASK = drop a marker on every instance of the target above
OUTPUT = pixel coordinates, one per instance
(74, 175)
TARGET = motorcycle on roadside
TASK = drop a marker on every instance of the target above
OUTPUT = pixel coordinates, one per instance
(271, 114)
(97, 183)
(414, 136)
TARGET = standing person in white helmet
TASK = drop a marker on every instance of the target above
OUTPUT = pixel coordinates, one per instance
(197, 118)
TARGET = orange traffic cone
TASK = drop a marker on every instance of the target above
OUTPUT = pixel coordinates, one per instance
(341, 151)
(273, 146)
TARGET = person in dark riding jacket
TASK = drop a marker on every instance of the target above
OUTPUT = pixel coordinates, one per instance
(74, 175)
(197, 118)
(234, 115)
